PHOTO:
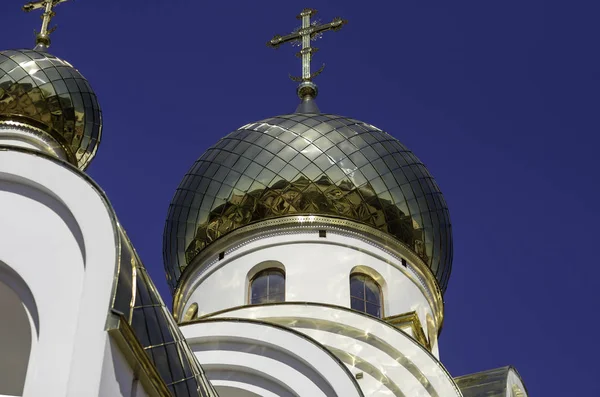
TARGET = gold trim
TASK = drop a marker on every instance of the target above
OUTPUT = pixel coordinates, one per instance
(260, 273)
(239, 237)
(290, 330)
(523, 391)
(496, 381)
(365, 366)
(191, 313)
(360, 271)
(517, 392)
(44, 131)
(336, 328)
(136, 356)
(368, 338)
(410, 319)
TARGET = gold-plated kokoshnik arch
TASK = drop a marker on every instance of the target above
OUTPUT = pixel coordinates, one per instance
(308, 164)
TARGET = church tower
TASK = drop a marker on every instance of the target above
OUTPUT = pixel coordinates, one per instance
(45, 103)
(307, 253)
(79, 314)
(310, 252)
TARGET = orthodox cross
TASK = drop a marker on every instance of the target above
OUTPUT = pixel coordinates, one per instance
(43, 37)
(303, 36)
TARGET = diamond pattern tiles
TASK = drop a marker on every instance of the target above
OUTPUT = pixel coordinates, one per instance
(154, 327)
(308, 164)
(40, 87)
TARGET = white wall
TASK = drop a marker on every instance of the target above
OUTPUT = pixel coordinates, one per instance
(16, 334)
(392, 363)
(42, 245)
(317, 270)
(118, 378)
(255, 358)
(58, 246)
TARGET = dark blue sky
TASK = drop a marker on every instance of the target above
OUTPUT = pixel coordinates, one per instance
(499, 99)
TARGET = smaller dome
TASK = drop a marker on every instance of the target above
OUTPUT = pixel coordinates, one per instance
(39, 88)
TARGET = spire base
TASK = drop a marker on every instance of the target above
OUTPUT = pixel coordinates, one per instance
(307, 89)
(42, 42)
(307, 92)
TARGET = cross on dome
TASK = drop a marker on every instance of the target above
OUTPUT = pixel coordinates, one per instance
(43, 37)
(303, 36)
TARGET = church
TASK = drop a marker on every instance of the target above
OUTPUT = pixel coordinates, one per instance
(257, 216)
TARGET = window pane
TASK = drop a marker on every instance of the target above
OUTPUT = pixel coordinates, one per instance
(276, 283)
(276, 298)
(259, 289)
(357, 304)
(268, 286)
(365, 295)
(373, 310)
(372, 291)
(357, 287)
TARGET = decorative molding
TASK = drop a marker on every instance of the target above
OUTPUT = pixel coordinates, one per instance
(332, 326)
(191, 313)
(410, 319)
(267, 323)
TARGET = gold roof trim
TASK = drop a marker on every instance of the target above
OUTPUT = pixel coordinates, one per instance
(355, 361)
(333, 327)
(136, 298)
(132, 349)
(241, 236)
(291, 330)
(48, 135)
(491, 383)
(411, 320)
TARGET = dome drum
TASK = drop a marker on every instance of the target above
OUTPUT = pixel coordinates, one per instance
(308, 228)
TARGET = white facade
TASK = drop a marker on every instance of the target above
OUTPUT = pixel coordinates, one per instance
(60, 266)
(316, 269)
(59, 235)
(385, 359)
(57, 251)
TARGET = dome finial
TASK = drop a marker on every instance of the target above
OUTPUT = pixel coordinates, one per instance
(42, 40)
(307, 90)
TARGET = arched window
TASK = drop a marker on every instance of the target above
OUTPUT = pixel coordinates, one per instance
(267, 286)
(365, 295)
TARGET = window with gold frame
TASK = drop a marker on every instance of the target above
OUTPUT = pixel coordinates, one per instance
(365, 295)
(267, 286)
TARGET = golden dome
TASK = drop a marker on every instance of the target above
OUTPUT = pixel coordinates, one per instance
(308, 164)
(39, 89)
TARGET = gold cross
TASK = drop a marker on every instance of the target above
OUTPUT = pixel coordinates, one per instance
(303, 36)
(43, 37)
